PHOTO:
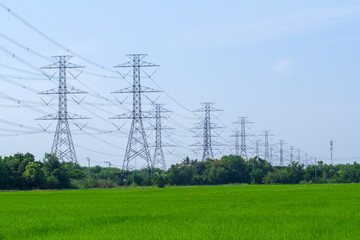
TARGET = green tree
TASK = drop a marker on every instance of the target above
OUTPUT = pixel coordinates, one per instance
(34, 175)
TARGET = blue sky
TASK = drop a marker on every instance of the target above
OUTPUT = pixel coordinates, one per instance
(290, 66)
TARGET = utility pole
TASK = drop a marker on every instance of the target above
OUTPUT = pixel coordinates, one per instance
(88, 159)
(207, 128)
(159, 158)
(331, 151)
(137, 145)
(63, 146)
(108, 168)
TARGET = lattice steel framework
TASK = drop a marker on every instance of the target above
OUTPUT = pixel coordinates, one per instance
(331, 151)
(207, 127)
(240, 137)
(243, 152)
(291, 154)
(159, 159)
(237, 142)
(281, 153)
(298, 156)
(257, 150)
(266, 134)
(137, 145)
(63, 146)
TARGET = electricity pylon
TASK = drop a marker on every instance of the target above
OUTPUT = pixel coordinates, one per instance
(291, 154)
(240, 146)
(207, 128)
(63, 146)
(237, 142)
(159, 159)
(257, 150)
(298, 156)
(331, 151)
(137, 145)
(281, 153)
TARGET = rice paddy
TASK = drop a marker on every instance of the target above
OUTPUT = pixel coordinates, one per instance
(194, 212)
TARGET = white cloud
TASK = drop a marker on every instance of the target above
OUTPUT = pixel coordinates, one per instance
(283, 66)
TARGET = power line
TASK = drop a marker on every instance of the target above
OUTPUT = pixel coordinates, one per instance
(26, 23)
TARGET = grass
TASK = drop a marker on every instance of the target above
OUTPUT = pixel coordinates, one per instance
(206, 212)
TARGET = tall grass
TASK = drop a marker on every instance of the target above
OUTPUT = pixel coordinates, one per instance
(206, 212)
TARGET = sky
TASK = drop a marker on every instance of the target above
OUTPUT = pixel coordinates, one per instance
(291, 67)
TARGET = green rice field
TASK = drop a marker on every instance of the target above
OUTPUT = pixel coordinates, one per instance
(196, 212)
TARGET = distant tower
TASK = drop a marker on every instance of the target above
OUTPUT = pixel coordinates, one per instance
(291, 154)
(271, 155)
(207, 126)
(237, 142)
(267, 157)
(137, 145)
(331, 151)
(257, 148)
(281, 153)
(298, 156)
(306, 160)
(243, 153)
(63, 146)
(159, 159)
(240, 138)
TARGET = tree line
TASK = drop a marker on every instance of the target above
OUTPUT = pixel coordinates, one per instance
(22, 171)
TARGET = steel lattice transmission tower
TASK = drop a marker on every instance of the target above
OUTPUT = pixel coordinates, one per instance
(331, 151)
(63, 146)
(281, 153)
(298, 156)
(137, 145)
(207, 127)
(267, 154)
(291, 154)
(243, 152)
(257, 150)
(159, 158)
(240, 138)
(237, 142)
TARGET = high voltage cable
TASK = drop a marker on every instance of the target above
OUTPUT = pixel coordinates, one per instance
(95, 151)
(20, 134)
(24, 78)
(95, 93)
(22, 102)
(18, 124)
(74, 21)
(25, 48)
(20, 59)
(21, 70)
(18, 85)
(173, 99)
(26, 23)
